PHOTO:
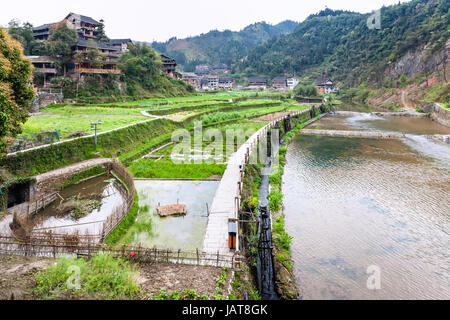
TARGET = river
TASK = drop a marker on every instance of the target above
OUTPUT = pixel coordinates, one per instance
(354, 203)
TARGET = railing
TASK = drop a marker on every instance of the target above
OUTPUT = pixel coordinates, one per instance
(46, 70)
(99, 71)
(53, 245)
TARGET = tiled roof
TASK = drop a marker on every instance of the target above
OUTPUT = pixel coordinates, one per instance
(119, 41)
(43, 27)
(100, 45)
(84, 18)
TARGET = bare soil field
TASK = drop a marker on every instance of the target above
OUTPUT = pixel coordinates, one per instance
(177, 277)
(17, 279)
(17, 276)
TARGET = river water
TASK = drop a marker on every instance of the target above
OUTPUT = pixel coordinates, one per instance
(353, 203)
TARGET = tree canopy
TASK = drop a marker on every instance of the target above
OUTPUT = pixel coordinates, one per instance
(16, 90)
(340, 44)
(60, 43)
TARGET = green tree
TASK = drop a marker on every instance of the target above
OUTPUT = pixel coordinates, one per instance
(60, 43)
(141, 65)
(101, 34)
(16, 91)
(24, 34)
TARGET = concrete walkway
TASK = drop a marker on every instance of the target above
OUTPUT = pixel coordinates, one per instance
(226, 201)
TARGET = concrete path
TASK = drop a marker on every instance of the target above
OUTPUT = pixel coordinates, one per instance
(226, 201)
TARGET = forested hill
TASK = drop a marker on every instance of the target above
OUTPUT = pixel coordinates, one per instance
(217, 47)
(340, 45)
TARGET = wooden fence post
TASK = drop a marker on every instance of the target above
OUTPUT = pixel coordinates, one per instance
(217, 258)
(198, 258)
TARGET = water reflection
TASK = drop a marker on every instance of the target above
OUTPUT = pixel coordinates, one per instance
(351, 203)
(173, 232)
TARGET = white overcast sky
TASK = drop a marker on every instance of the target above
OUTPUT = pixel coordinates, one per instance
(148, 20)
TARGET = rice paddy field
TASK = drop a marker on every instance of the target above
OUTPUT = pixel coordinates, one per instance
(211, 109)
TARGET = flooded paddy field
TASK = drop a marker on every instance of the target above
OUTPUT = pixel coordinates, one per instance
(184, 232)
(85, 207)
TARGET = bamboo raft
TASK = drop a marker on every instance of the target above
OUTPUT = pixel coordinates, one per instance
(172, 210)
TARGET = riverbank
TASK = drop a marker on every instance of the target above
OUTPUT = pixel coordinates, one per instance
(285, 282)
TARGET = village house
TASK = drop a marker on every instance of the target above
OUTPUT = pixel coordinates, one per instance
(120, 44)
(257, 83)
(45, 66)
(279, 83)
(220, 68)
(225, 83)
(169, 67)
(88, 30)
(325, 86)
(292, 83)
(202, 70)
(210, 83)
(191, 78)
(109, 62)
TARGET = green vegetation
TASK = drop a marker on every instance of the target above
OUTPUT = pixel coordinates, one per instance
(111, 144)
(309, 90)
(438, 93)
(186, 294)
(15, 91)
(217, 47)
(101, 277)
(67, 124)
(354, 53)
(129, 220)
(149, 168)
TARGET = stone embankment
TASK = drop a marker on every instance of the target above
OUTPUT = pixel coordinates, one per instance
(438, 113)
(386, 114)
(355, 134)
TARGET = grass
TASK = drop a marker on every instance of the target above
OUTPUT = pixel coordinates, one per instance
(91, 110)
(166, 169)
(101, 277)
(114, 237)
(83, 175)
(67, 124)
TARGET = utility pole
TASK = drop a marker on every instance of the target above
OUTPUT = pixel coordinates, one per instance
(94, 127)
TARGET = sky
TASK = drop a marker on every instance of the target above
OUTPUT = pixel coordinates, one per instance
(157, 20)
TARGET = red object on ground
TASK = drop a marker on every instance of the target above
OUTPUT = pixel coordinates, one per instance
(132, 254)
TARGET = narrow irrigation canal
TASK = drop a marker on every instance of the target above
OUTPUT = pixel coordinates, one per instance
(265, 270)
(352, 203)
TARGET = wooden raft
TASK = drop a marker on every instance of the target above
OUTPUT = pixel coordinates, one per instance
(172, 210)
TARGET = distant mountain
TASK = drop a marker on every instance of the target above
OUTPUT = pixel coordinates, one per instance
(340, 45)
(216, 47)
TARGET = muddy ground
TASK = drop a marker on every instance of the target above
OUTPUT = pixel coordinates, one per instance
(17, 277)
(177, 277)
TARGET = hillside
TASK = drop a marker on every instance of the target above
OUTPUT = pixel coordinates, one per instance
(217, 47)
(340, 45)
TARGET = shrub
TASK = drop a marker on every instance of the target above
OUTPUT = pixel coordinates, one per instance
(101, 277)
(275, 200)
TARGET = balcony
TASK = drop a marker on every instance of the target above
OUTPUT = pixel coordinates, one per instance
(46, 70)
(97, 71)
